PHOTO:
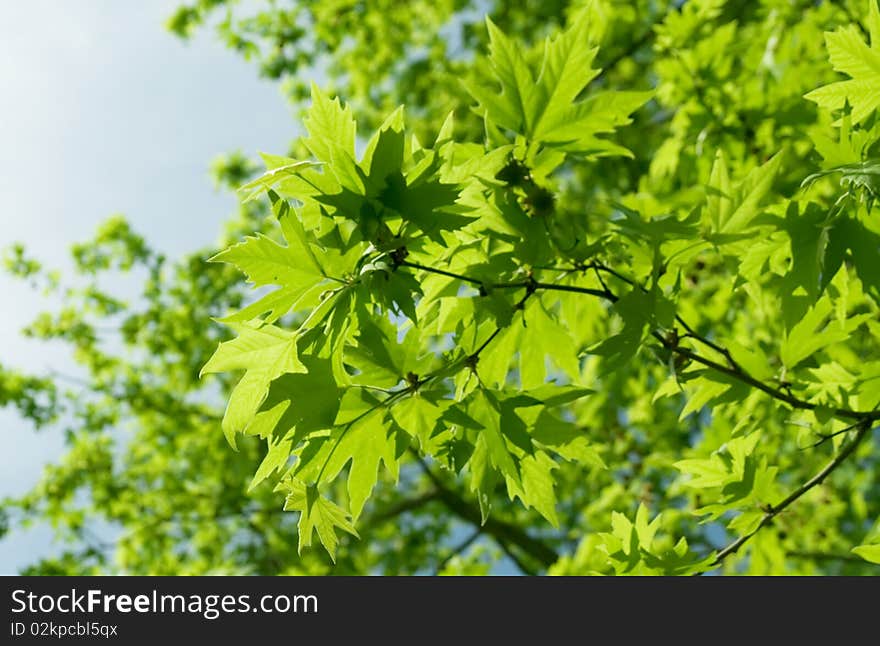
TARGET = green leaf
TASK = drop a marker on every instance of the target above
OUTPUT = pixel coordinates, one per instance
(276, 458)
(267, 263)
(601, 113)
(864, 246)
(265, 354)
(418, 415)
(814, 332)
(484, 407)
(504, 450)
(268, 348)
(331, 139)
(510, 108)
(317, 514)
(730, 208)
(538, 485)
(362, 437)
(545, 110)
(566, 439)
(252, 190)
(297, 405)
(385, 152)
(293, 268)
(870, 553)
(705, 473)
(565, 72)
(638, 310)
(851, 55)
(812, 268)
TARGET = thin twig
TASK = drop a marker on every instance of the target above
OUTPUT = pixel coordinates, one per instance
(506, 535)
(458, 549)
(817, 479)
(733, 369)
(441, 272)
(775, 393)
(827, 436)
(404, 506)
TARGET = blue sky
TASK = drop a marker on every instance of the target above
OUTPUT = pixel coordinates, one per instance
(101, 112)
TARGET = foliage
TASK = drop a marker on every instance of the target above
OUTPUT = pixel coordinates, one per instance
(607, 303)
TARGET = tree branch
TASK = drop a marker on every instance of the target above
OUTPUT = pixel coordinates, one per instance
(646, 37)
(458, 549)
(404, 506)
(826, 556)
(441, 272)
(505, 534)
(863, 419)
(733, 369)
(817, 479)
(775, 393)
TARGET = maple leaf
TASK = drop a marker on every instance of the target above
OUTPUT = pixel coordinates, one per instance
(544, 107)
(850, 54)
(317, 514)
